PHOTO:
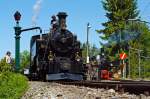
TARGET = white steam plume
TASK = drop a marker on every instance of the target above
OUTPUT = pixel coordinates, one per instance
(36, 10)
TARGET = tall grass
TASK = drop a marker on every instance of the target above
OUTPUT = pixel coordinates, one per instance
(12, 85)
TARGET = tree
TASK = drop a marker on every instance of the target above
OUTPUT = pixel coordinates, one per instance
(134, 34)
(93, 51)
(25, 59)
(4, 67)
(141, 42)
(117, 12)
(83, 47)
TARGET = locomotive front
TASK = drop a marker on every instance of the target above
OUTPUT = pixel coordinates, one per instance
(60, 57)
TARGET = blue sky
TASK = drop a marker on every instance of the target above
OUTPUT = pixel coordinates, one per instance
(80, 12)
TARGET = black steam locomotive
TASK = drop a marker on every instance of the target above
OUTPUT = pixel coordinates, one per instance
(56, 55)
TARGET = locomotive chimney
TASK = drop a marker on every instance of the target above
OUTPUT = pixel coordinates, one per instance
(62, 20)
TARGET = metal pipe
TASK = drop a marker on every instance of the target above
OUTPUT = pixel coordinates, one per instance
(145, 57)
(32, 29)
(138, 20)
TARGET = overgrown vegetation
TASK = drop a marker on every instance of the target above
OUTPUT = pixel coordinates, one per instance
(4, 66)
(12, 85)
(25, 59)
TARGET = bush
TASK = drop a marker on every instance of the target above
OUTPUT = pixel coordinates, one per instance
(4, 66)
(12, 85)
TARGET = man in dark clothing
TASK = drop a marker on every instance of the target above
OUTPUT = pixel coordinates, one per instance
(54, 23)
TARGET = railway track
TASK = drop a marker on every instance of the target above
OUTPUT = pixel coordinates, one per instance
(132, 87)
(53, 90)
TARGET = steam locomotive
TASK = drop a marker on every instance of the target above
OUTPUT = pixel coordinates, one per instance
(56, 55)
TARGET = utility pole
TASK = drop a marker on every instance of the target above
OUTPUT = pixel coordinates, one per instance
(129, 69)
(18, 31)
(87, 43)
(139, 58)
(139, 55)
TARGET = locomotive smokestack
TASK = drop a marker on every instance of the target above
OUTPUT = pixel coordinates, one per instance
(62, 20)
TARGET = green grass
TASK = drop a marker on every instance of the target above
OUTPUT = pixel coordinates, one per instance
(12, 85)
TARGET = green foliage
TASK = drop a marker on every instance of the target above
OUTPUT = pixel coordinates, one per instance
(4, 66)
(12, 86)
(83, 47)
(25, 59)
(142, 43)
(117, 11)
(93, 51)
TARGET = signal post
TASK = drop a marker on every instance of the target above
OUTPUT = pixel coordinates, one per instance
(123, 56)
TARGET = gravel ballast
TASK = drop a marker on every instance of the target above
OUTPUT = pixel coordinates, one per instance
(50, 90)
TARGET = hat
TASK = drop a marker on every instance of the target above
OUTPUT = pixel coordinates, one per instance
(8, 52)
(53, 17)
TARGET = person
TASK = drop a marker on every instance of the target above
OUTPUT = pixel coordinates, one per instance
(54, 23)
(8, 57)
